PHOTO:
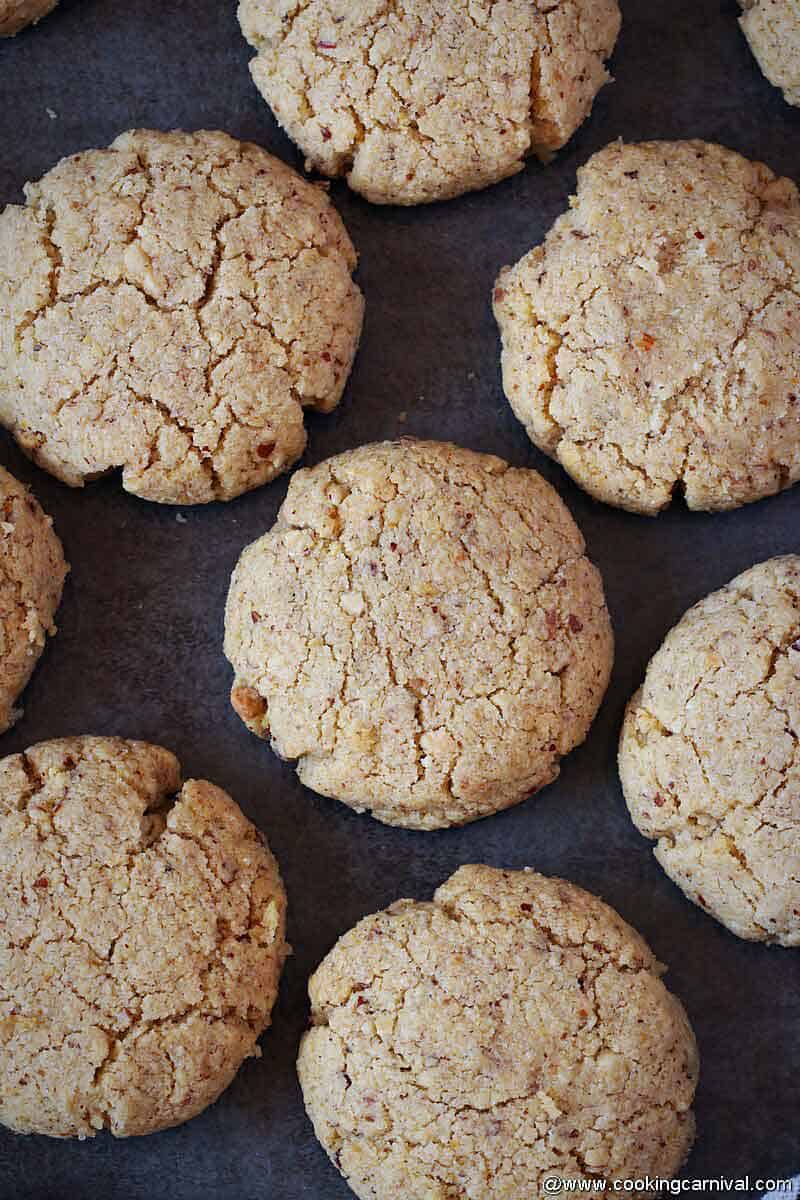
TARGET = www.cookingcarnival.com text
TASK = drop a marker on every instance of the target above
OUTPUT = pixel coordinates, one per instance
(554, 1185)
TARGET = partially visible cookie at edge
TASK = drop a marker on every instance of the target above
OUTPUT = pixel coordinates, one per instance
(709, 754)
(511, 1030)
(141, 939)
(32, 573)
(16, 14)
(170, 306)
(772, 29)
(420, 630)
(425, 101)
(652, 343)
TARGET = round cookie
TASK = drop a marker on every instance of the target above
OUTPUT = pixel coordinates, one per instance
(709, 754)
(16, 14)
(772, 29)
(141, 939)
(421, 630)
(32, 573)
(428, 100)
(170, 306)
(512, 1030)
(652, 344)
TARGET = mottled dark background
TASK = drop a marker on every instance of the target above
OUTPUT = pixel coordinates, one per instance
(139, 651)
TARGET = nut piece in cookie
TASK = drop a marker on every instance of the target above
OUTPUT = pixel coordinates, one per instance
(772, 28)
(422, 631)
(652, 343)
(141, 939)
(32, 573)
(170, 306)
(515, 1014)
(16, 14)
(709, 754)
(423, 101)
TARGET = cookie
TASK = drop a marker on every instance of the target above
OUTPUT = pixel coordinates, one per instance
(421, 630)
(709, 753)
(425, 101)
(514, 1029)
(169, 307)
(16, 14)
(32, 573)
(772, 28)
(652, 344)
(141, 939)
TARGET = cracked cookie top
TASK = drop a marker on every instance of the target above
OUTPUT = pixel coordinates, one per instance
(141, 939)
(421, 630)
(512, 1029)
(169, 306)
(772, 28)
(709, 754)
(652, 344)
(16, 14)
(427, 99)
(32, 573)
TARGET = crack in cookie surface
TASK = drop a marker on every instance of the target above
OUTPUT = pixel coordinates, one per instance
(422, 100)
(512, 1028)
(422, 631)
(141, 939)
(710, 753)
(653, 341)
(169, 306)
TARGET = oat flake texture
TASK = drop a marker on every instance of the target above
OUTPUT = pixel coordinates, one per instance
(652, 344)
(170, 306)
(421, 630)
(32, 572)
(141, 939)
(772, 27)
(513, 1029)
(16, 14)
(427, 99)
(709, 753)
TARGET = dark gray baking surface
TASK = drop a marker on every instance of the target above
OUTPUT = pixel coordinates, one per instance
(139, 648)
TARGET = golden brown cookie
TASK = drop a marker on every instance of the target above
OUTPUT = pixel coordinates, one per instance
(421, 630)
(32, 573)
(709, 753)
(141, 939)
(433, 98)
(512, 1030)
(652, 344)
(772, 28)
(16, 14)
(170, 306)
